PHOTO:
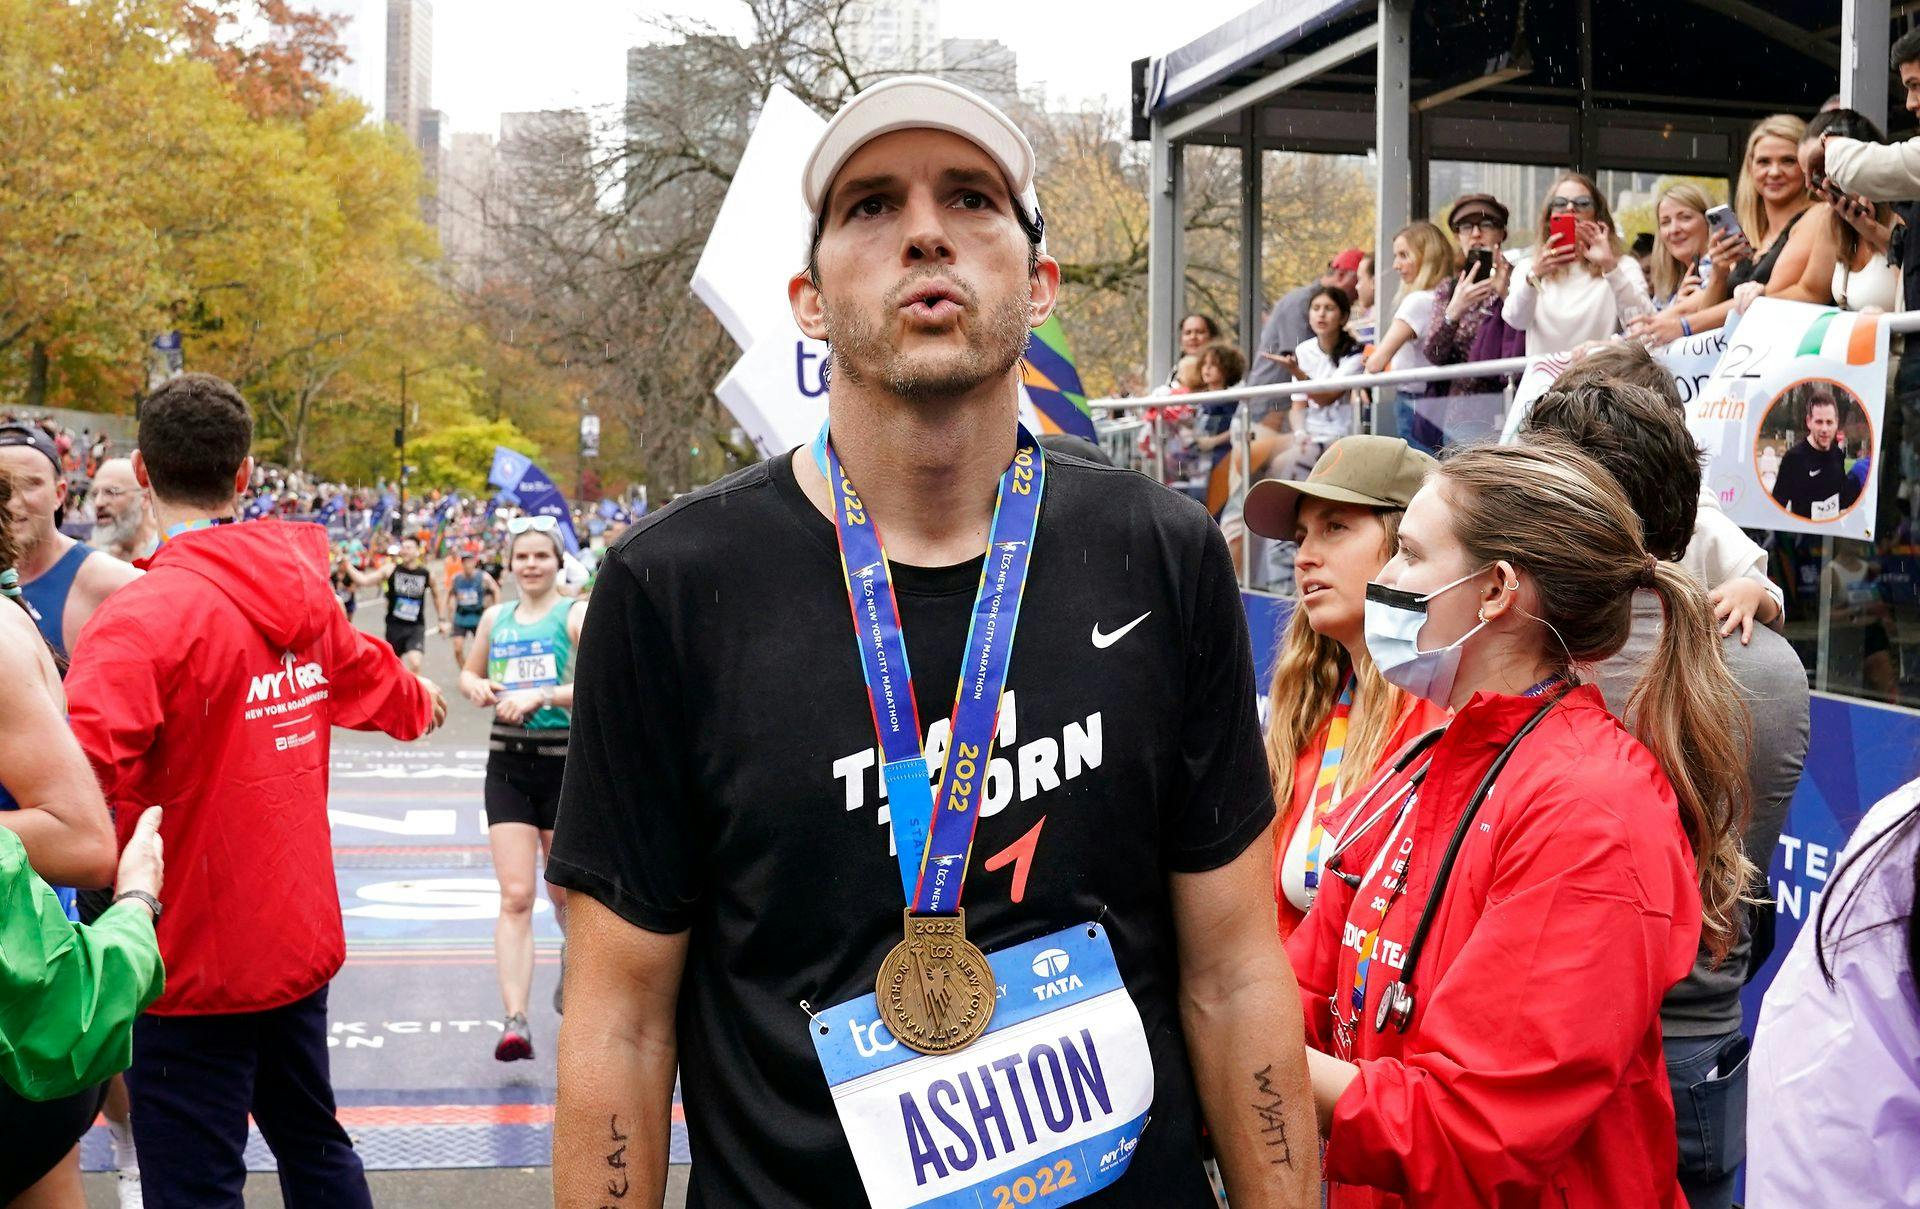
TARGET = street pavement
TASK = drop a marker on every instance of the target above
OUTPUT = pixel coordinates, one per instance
(416, 1010)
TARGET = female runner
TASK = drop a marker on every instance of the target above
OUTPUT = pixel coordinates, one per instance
(521, 666)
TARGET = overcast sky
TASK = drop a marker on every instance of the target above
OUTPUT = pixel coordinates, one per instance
(495, 56)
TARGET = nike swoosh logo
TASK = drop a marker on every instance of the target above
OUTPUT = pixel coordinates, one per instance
(1102, 641)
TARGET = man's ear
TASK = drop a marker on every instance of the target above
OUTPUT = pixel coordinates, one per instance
(243, 476)
(140, 471)
(1046, 290)
(809, 305)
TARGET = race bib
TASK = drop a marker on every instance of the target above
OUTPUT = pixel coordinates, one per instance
(406, 608)
(529, 664)
(1044, 1109)
(467, 598)
(1826, 509)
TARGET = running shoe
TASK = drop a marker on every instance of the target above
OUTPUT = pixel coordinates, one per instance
(560, 986)
(516, 1039)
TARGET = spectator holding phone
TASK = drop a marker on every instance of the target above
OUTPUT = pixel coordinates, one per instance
(1699, 246)
(1580, 284)
(1871, 168)
(1286, 324)
(1423, 258)
(1847, 262)
(1467, 321)
(1319, 418)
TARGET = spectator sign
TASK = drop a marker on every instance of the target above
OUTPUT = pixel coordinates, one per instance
(1787, 404)
(1791, 418)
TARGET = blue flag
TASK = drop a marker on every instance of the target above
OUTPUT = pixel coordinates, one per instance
(509, 465)
(387, 504)
(330, 510)
(516, 475)
(259, 506)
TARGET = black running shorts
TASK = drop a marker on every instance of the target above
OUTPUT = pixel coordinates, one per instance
(407, 636)
(39, 1134)
(523, 788)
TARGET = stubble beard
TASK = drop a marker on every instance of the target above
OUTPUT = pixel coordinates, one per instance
(863, 356)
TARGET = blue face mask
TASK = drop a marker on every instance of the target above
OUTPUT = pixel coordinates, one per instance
(1393, 623)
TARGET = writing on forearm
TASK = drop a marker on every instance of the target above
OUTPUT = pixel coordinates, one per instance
(1269, 1108)
(619, 1185)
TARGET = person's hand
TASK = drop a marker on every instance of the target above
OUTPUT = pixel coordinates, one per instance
(1596, 244)
(1502, 273)
(1725, 250)
(1735, 603)
(516, 706)
(1744, 295)
(1468, 295)
(1690, 284)
(439, 702)
(141, 864)
(1558, 254)
(1655, 331)
(1861, 216)
(478, 689)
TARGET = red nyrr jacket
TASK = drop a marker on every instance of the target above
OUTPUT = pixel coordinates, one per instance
(210, 686)
(1532, 1073)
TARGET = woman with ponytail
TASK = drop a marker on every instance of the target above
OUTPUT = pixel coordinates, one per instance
(1335, 722)
(1483, 971)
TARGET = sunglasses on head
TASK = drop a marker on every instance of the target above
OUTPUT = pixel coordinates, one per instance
(539, 524)
(1560, 205)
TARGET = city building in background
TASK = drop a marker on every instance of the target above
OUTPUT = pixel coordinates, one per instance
(409, 63)
(986, 65)
(469, 195)
(891, 35)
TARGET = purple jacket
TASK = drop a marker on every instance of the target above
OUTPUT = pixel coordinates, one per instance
(1482, 334)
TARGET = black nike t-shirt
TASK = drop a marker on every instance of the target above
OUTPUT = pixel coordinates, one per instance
(722, 776)
(1814, 482)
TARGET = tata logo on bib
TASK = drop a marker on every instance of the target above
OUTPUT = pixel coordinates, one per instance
(1050, 965)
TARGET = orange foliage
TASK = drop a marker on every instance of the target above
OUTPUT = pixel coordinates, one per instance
(280, 74)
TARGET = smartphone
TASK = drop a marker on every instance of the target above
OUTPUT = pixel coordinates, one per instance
(1561, 230)
(1722, 220)
(1479, 264)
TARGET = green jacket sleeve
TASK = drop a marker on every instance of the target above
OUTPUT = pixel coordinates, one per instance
(68, 993)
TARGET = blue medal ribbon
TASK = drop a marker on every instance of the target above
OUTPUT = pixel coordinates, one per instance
(932, 842)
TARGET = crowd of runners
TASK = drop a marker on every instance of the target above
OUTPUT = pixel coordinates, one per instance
(1466, 925)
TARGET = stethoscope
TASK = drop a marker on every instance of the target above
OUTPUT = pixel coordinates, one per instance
(1396, 1001)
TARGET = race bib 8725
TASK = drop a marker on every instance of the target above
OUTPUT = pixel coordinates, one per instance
(529, 663)
(1045, 1108)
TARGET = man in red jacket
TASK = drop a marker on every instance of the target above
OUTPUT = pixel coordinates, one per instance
(211, 686)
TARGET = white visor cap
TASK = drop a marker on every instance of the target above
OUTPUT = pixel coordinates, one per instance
(920, 103)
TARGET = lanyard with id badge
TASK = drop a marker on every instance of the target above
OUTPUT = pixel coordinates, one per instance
(1020, 1077)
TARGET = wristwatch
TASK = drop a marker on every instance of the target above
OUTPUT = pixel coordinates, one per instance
(152, 903)
(546, 697)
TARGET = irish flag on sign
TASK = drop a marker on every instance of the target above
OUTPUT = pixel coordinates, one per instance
(1843, 336)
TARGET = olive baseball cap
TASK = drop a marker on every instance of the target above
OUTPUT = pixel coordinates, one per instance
(1375, 472)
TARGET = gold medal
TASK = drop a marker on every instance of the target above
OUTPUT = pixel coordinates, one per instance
(935, 989)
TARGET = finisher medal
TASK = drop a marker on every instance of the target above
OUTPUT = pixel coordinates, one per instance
(935, 989)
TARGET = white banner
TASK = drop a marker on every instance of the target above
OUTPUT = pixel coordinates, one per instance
(1791, 419)
(1786, 402)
